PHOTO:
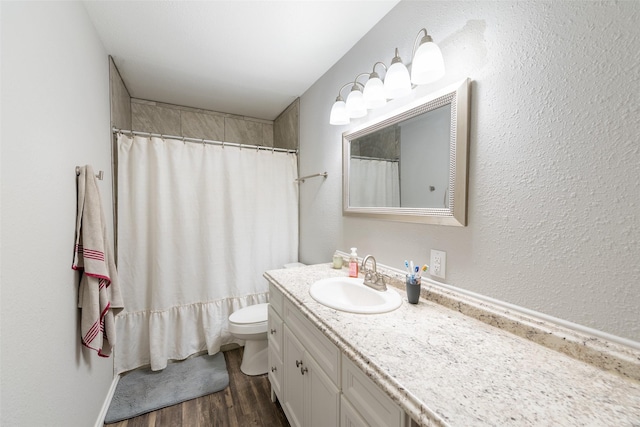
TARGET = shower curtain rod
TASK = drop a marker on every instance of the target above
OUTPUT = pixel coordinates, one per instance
(374, 158)
(205, 141)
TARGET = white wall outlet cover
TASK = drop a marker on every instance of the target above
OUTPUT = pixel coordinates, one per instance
(438, 263)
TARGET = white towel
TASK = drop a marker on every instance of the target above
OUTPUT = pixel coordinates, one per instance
(99, 293)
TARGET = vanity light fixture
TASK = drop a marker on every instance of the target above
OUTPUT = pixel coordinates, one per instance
(373, 94)
(427, 66)
(397, 83)
(355, 102)
(339, 114)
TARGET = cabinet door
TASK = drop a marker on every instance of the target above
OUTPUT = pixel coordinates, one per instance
(322, 397)
(275, 332)
(275, 375)
(349, 417)
(373, 405)
(293, 389)
(324, 352)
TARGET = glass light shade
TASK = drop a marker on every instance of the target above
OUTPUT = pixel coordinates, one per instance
(339, 114)
(373, 94)
(355, 104)
(397, 82)
(427, 65)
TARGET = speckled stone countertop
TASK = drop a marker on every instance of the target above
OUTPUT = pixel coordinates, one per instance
(444, 366)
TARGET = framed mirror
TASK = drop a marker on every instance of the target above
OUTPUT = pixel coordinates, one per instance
(411, 165)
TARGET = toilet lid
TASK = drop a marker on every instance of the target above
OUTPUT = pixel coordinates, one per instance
(252, 314)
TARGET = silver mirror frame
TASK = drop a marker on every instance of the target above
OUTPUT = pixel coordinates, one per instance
(458, 96)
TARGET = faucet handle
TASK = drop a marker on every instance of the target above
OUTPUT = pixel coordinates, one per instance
(380, 281)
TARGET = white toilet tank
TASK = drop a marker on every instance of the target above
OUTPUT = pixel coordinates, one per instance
(250, 320)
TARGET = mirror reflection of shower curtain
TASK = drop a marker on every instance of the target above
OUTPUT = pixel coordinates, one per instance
(374, 183)
(197, 227)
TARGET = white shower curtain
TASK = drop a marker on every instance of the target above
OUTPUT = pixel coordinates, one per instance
(374, 183)
(197, 226)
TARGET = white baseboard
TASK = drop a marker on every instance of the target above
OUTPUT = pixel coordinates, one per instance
(107, 402)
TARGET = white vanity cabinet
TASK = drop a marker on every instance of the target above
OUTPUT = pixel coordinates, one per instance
(315, 383)
(275, 335)
(367, 405)
(276, 343)
(311, 373)
(310, 397)
(304, 366)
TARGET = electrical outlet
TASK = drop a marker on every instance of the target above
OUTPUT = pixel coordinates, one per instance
(438, 263)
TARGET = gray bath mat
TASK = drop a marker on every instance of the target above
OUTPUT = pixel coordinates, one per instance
(144, 390)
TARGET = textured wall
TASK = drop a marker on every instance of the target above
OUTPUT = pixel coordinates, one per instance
(55, 115)
(554, 179)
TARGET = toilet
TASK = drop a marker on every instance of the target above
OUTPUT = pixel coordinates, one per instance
(250, 324)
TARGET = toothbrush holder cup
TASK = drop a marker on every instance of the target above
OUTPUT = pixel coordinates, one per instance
(413, 288)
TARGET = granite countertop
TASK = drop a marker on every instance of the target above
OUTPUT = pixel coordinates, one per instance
(444, 367)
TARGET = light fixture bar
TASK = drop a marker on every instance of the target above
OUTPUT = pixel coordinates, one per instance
(427, 66)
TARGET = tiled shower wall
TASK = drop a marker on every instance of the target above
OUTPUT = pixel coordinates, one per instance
(167, 119)
(286, 127)
(176, 120)
(119, 98)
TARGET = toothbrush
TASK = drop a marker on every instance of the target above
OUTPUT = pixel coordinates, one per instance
(425, 268)
(406, 265)
(411, 270)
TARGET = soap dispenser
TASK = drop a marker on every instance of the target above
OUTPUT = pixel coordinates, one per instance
(353, 263)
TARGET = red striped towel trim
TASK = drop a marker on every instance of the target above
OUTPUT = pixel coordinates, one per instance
(98, 276)
(91, 333)
(99, 350)
(89, 253)
(93, 254)
(96, 327)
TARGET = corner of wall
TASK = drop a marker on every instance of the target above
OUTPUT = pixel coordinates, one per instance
(286, 127)
(119, 97)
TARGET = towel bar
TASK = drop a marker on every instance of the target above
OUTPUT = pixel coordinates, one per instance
(99, 175)
(324, 174)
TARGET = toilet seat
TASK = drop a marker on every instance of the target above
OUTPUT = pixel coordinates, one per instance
(249, 320)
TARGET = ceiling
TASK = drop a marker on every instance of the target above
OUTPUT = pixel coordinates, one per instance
(251, 58)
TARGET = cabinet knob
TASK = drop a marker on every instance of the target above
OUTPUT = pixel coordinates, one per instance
(273, 331)
(303, 370)
(298, 363)
(273, 369)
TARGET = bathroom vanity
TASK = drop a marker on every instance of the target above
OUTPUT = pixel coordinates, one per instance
(447, 361)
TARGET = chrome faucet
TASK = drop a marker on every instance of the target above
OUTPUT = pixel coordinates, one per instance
(372, 278)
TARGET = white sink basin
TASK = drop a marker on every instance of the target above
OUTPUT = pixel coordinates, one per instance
(350, 294)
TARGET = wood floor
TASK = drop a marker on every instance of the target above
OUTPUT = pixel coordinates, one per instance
(246, 402)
